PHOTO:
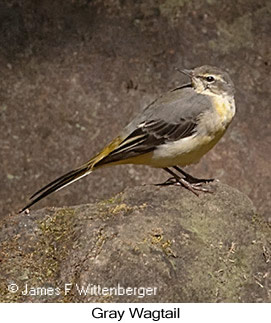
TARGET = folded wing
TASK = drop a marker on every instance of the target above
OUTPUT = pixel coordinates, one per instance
(148, 136)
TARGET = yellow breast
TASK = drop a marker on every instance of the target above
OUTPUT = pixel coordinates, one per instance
(225, 107)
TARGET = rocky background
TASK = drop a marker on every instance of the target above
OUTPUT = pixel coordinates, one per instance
(212, 248)
(73, 73)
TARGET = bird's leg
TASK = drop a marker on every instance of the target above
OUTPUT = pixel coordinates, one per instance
(193, 180)
(174, 180)
(177, 180)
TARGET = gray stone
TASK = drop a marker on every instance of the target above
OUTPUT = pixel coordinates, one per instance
(211, 248)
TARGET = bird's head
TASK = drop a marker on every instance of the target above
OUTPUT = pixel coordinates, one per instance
(210, 80)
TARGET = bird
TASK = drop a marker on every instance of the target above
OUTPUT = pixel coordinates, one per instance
(173, 131)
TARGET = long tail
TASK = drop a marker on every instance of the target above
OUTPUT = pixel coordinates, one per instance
(74, 175)
(59, 183)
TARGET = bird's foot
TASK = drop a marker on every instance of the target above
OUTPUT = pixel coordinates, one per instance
(170, 181)
(191, 179)
(192, 184)
(198, 181)
(196, 187)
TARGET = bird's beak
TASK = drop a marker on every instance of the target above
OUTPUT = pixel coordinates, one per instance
(185, 72)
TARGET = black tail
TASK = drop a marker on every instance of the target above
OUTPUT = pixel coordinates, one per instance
(58, 184)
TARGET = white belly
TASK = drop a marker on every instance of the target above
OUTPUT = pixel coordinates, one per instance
(185, 151)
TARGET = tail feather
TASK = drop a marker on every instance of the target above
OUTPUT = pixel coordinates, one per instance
(73, 175)
(58, 180)
(58, 184)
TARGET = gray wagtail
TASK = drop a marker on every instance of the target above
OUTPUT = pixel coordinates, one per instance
(175, 130)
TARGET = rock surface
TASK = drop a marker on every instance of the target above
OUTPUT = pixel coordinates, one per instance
(212, 248)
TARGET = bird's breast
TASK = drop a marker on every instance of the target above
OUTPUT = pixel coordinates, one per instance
(225, 108)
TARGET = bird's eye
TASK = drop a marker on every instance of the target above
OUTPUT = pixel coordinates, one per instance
(210, 79)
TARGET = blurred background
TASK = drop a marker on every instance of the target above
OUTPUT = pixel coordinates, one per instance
(74, 72)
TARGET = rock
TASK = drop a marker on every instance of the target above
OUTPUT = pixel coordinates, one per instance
(184, 248)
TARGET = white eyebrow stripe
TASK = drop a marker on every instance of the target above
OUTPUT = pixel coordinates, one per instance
(215, 76)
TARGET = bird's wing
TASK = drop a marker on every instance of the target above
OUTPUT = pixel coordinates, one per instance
(172, 117)
(148, 136)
